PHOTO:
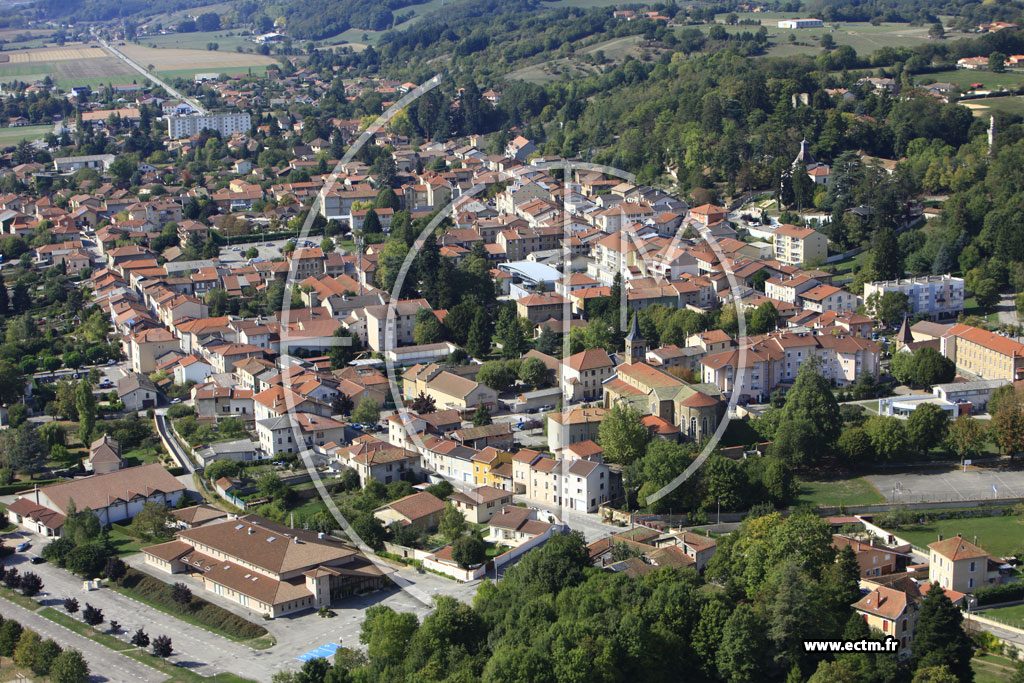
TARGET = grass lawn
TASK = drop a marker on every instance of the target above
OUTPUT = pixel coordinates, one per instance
(80, 627)
(495, 549)
(990, 668)
(142, 456)
(12, 136)
(122, 539)
(832, 492)
(19, 599)
(1010, 105)
(998, 535)
(198, 40)
(989, 80)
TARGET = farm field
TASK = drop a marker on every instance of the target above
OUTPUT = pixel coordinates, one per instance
(68, 65)
(570, 67)
(227, 40)
(173, 59)
(1000, 536)
(12, 136)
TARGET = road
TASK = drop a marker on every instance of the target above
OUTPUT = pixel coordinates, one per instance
(104, 663)
(1007, 310)
(163, 428)
(124, 58)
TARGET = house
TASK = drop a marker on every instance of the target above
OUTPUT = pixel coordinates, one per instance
(296, 432)
(421, 511)
(495, 435)
(265, 567)
(799, 246)
(581, 485)
(239, 450)
(892, 612)
(800, 23)
(519, 148)
(104, 455)
(573, 426)
(449, 390)
(698, 547)
(113, 497)
(146, 346)
(874, 559)
(197, 515)
(480, 505)
(137, 392)
(515, 525)
(583, 373)
(375, 459)
(957, 564)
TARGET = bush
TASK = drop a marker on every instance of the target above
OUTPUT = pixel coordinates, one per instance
(162, 646)
(1008, 592)
(180, 410)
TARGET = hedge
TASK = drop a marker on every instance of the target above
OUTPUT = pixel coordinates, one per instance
(152, 590)
(1007, 592)
(176, 471)
(18, 486)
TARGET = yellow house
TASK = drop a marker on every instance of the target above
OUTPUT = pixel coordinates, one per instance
(485, 462)
(957, 564)
(893, 613)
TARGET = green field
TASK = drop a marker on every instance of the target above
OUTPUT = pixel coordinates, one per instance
(964, 78)
(1009, 105)
(12, 136)
(989, 668)
(1000, 536)
(198, 40)
(833, 492)
(1014, 616)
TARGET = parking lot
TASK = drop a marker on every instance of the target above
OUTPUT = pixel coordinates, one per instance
(269, 250)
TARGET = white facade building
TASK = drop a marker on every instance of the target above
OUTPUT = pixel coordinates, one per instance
(937, 296)
(191, 124)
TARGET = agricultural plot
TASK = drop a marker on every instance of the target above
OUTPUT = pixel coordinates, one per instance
(180, 60)
(68, 66)
(984, 107)
(12, 136)
(574, 67)
(989, 81)
(227, 41)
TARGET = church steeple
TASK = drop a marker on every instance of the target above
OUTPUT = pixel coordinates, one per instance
(804, 157)
(636, 345)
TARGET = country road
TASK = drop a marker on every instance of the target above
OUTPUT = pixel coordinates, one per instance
(124, 58)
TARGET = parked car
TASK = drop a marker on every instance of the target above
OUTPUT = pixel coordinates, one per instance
(22, 547)
(175, 401)
(36, 559)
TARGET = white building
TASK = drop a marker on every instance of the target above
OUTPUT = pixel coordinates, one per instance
(801, 23)
(192, 124)
(937, 296)
(72, 164)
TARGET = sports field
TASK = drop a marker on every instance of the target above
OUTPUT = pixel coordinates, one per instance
(989, 81)
(985, 106)
(12, 136)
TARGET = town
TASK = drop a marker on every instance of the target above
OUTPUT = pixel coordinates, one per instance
(409, 356)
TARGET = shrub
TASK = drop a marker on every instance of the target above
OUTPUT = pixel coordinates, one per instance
(162, 646)
(1007, 592)
(92, 615)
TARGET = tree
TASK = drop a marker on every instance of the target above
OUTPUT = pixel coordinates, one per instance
(936, 32)
(888, 437)
(69, 667)
(965, 437)
(930, 367)
(741, 653)
(889, 307)
(367, 412)
(85, 403)
(428, 330)
(986, 293)
(452, 525)
(70, 605)
(140, 639)
(495, 375)
(469, 551)
(27, 649)
(812, 399)
(997, 62)
(370, 530)
(509, 333)
(547, 342)
(92, 615)
(25, 453)
(855, 447)
(481, 416)
(478, 342)
(47, 653)
(153, 521)
(162, 646)
(533, 372)
(940, 639)
(1007, 425)
(886, 258)
(342, 404)
(622, 435)
(371, 223)
(386, 199)
(926, 427)
(181, 594)
(764, 319)
(796, 442)
(423, 404)
(726, 482)
(10, 634)
(31, 584)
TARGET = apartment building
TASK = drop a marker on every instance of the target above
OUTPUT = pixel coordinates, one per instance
(379, 330)
(795, 246)
(187, 125)
(936, 296)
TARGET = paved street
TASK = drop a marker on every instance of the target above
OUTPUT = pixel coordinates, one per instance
(104, 664)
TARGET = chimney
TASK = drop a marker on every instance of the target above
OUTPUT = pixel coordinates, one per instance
(251, 531)
(940, 537)
(975, 540)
